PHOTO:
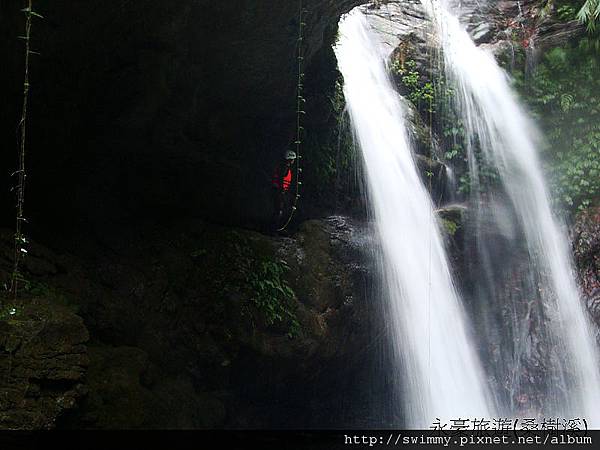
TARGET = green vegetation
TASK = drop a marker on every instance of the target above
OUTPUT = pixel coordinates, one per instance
(330, 149)
(566, 12)
(590, 14)
(450, 226)
(563, 93)
(338, 158)
(242, 274)
(270, 293)
(419, 91)
(586, 11)
(435, 102)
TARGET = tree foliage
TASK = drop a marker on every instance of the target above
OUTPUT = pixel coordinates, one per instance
(563, 93)
(590, 13)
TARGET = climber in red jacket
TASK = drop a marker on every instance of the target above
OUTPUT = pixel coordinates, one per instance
(281, 188)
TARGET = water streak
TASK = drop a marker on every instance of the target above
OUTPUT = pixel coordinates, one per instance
(441, 373)
(500, 137)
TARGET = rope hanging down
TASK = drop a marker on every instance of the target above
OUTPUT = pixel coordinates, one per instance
(20, 241)
(300, 101)
(431, 218)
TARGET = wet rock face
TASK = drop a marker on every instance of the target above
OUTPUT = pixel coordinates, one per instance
(512, 310)
(405, 30)
(507, 26)
(586, 245)
(177, 108)
(331, 274)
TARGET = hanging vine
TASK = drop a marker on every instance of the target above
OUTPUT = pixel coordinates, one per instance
(20, 242)
(300, 111)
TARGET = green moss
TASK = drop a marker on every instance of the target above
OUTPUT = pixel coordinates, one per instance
(450, 226)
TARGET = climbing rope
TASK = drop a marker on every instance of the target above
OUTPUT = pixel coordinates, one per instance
(300, 112)
(431, 218)
(19, 239)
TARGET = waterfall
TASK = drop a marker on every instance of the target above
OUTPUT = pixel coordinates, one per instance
(432, 346)
(501, 140)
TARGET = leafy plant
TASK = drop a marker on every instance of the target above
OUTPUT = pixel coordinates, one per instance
(242, 276)
(450, 226)
(270, 293)
(590, 13)
(420, 93)
(566, 12)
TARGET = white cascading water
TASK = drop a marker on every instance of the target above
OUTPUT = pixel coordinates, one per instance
(431, 342)
(497, 126)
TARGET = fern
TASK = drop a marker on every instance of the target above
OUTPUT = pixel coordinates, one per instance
(589, 14)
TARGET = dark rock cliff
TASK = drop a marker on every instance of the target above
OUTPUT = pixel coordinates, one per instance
(193, 326)
(149, 123)
(43, 361)
(160, 108)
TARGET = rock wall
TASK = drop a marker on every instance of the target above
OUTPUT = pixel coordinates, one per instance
(141, 112)
(158, 108)
(43, 361)
(190, 329)
(586, 246)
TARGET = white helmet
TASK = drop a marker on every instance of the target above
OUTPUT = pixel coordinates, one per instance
(290, 154)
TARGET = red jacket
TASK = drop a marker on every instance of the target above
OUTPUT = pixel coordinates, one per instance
(282, 181)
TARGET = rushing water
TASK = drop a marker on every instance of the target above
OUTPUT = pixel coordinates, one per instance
(432, 345)
(548, 326)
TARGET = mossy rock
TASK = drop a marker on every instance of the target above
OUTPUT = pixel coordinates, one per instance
(43, 360)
